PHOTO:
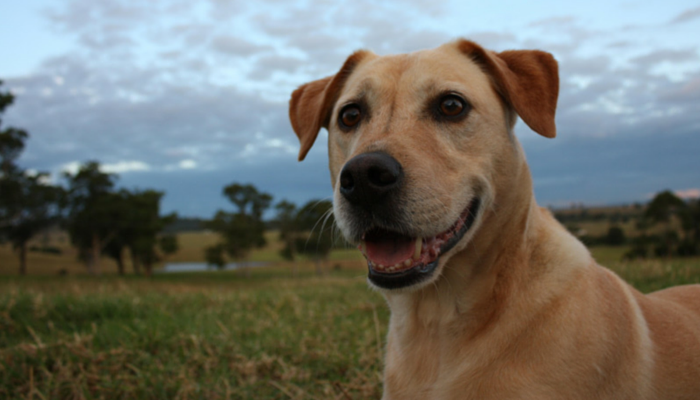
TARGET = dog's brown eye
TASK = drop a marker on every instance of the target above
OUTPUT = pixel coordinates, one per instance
(451, 106)
(350, 115)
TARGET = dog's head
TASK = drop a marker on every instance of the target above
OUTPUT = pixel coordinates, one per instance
(421, 145)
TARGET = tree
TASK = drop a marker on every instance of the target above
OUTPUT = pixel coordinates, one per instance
(134, 217)
(28, 204)
(316, 218)
(661, 209)
(144, 226)
(11, 139)
(96, 212)
(168, 244)
(240, 231)
(36, 209)
(690, 220)
(11, 146)
(215, 256)
(289, 231)
(615, 236)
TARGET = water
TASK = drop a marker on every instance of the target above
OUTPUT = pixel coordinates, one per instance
(200, 266)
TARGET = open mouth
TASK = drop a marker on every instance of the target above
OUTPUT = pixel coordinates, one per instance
(396, 261)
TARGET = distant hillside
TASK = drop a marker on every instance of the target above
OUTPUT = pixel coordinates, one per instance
(614, 214)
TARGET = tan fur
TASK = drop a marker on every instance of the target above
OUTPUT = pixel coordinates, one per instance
(518, 309)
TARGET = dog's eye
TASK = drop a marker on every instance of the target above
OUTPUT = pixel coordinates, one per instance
(451, 106)
(350, 115)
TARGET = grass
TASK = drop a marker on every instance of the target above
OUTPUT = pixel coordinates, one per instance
(216, 335)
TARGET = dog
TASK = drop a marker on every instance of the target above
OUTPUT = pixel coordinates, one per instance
(490, 297)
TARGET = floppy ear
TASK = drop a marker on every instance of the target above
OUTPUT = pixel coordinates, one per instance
(307, 112)
(528, 80)
(312, 103)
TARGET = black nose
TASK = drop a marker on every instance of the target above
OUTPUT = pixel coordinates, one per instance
(367, 179)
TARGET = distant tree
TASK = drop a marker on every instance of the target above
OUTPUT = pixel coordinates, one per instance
(143, 225)
(168, 244)
(243, 230)
(11, 139)
(248, 199)
(95, 212)
(690, 224)
(663, 206)
(215, 256)
(690, 218)
(661, 209)
(316, 218)
(33, 208)
(289, 231)
(11, 146)
(28, 203)
(615, 236)
(136, 224)
(641, 246)
(114, 249)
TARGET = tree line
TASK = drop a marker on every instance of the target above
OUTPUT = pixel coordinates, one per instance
(303, 230)
(667, 226)
(99, 219)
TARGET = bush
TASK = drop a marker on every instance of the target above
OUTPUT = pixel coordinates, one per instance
(615, 236)
(687, 248)
(641, 246)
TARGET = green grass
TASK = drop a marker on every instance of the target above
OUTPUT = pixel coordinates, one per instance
(218, 335)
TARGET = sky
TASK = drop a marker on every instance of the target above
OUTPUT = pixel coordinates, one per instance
(190, 96)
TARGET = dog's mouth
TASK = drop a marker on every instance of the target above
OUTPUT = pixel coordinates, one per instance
(396, 260)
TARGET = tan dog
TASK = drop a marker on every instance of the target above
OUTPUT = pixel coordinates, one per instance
(490, 297)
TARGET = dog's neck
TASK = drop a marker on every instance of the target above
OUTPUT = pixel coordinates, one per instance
(495, 268)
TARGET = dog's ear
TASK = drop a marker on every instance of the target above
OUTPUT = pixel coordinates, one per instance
(528, 80)
(312, 103)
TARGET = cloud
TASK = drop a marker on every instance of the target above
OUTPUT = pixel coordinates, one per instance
(187, 164)
(665, 55)
(554, 21)
(688, 193)
(125, 166)
(686, 16)
(235, 46)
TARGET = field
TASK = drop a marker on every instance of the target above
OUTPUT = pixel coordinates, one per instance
(213, 335)
(191, 245)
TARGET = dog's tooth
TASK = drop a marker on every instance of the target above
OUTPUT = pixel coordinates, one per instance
(380, 267)
(407, 263)
(418, 248)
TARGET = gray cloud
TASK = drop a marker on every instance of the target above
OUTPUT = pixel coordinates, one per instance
(686, 16)
(666, 55)
(235, 46)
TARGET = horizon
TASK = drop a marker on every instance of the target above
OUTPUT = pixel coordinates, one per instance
(189, 97)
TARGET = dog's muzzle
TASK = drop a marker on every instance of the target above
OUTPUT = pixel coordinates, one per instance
(371, 184)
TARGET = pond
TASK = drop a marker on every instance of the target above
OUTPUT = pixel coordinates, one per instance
(201, 266)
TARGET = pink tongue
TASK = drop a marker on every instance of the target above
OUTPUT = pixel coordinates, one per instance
(390, 252)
